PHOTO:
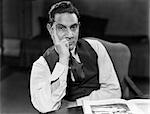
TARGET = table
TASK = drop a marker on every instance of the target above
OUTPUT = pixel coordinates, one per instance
(73, 110)
(142, 104)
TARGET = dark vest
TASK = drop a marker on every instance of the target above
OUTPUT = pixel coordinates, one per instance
(89, 59)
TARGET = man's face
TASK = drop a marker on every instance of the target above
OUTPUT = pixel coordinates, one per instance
(67, 27)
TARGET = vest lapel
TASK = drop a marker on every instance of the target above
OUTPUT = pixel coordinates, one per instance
(51, 56)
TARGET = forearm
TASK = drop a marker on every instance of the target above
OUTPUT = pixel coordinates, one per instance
(43, 100)
(105, 92)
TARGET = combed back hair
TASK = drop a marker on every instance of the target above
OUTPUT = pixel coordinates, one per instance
(62, 7)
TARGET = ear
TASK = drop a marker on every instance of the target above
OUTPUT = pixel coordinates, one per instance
(49, 28)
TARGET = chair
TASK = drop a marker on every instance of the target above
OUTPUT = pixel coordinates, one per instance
(120, 56)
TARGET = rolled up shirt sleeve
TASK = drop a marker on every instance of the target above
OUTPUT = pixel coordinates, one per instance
(110, 87)
(45, 95)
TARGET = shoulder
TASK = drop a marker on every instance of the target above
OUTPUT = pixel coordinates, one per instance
(96, 44)
(40, 67)
(49, 51)
(40, 62)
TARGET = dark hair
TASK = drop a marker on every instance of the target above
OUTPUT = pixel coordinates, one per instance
(62, 7)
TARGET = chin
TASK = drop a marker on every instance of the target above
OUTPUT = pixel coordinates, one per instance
(71, 47)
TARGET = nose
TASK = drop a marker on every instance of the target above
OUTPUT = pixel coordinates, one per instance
(69, 34)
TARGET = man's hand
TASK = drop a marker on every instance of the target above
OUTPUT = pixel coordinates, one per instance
(62, 47)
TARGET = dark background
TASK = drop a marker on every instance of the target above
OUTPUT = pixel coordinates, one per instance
(24, 38)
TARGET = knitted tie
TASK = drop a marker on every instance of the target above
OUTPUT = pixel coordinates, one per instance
(76, 68)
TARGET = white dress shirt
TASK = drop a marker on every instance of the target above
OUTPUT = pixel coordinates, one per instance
(47, 97)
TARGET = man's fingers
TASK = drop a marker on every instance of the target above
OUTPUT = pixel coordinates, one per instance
(63, 42)
(57, 41)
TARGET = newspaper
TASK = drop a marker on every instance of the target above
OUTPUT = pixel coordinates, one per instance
(116, 106)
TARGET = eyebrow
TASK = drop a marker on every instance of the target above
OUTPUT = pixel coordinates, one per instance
(61, 25)
(74, 24)
(65, 26)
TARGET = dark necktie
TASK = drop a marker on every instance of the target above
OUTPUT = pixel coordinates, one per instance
(76, 68)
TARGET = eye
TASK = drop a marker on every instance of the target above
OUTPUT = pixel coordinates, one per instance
(74, 27)
(61, 28)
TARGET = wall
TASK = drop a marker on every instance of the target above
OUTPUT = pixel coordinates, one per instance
(126, 17)
(16, 19)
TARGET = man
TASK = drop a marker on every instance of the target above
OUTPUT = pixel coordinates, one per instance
(72, 70)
